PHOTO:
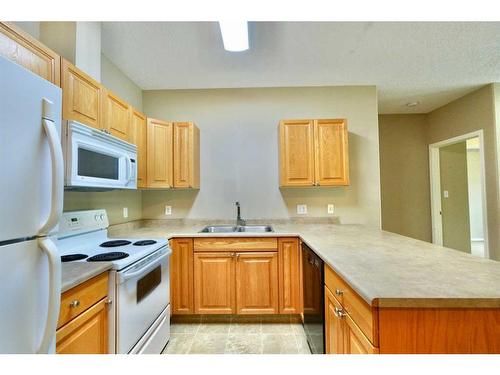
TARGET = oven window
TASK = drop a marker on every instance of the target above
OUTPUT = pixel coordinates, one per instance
(148, 283)
(94, 164)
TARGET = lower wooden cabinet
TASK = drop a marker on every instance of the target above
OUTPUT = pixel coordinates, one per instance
(83, 318)
(342, 334)
(87, 333)
(235, 283)
(214, 286)
(334, 327)
(355, 342)
(181, 276)
(290, 288)
(257, 283)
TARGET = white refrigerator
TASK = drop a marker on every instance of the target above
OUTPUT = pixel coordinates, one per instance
(31, 201)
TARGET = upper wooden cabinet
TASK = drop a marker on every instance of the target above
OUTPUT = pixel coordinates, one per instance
(313, 153)
(82, 96)
(296, 152)
(160, 154)
(139, 132)
(331, 161)
(186, 155)
(22, 48)
(116, 116)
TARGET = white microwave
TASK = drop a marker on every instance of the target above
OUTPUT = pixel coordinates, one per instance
(96, 160)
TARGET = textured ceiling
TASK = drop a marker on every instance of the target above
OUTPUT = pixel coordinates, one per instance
(429, 62)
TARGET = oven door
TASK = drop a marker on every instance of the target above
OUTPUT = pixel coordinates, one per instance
(143, 293)
(95, 159)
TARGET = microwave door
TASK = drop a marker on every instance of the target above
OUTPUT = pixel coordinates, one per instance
(96, 165)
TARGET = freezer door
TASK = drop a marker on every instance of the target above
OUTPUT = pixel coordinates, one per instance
(24, 295)
(25, 158)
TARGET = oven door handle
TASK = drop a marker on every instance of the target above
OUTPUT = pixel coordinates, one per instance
(122, 277)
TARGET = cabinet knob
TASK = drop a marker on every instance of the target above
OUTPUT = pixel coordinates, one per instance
(339, 292)
(109, 302)
(74, 303)
(339, 313)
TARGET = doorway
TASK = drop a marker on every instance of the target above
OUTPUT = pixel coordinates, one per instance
(458, 194)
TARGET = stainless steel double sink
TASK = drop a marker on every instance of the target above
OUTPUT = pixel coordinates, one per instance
(237, 228)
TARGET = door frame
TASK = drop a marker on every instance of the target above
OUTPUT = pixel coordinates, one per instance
(435, 185)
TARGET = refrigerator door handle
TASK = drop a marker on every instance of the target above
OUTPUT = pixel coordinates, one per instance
(56, 206)
(48, 246)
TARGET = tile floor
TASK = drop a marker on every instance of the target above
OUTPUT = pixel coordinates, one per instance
(237, 334)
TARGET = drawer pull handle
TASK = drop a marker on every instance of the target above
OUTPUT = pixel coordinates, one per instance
(74, 303)
(339, 292)
(339, 313)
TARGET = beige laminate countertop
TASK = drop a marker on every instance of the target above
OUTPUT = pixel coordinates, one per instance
(75, 273)
(386, 269)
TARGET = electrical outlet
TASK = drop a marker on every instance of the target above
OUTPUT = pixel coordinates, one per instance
(125, 212)
(168, 210)
(331, 208)
(302, 209)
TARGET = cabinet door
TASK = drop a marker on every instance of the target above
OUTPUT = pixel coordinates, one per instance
(289, 276)
(159, 154)
(139, 131)
(81, 96)
(20, 47)
(355, 342)
(186, 155)
(214, 283)
(331, 157)
(334, 325)
(116, 116)
(181, 276)
(257, 283)
(86, 334)
(296, 139)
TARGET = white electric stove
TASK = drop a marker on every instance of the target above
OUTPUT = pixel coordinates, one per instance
(139, 282)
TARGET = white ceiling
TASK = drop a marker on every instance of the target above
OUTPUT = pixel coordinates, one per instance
(432, 63)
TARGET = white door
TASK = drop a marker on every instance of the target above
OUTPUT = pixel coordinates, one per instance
(25, 160)
(24, 291)
(31, 204)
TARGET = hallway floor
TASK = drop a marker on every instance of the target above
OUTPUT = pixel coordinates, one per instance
(237, 334)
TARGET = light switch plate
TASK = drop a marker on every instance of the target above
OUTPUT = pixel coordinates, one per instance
(446, 194)
(168, 210)
(302, 209)
(331, 208)
(125, 212)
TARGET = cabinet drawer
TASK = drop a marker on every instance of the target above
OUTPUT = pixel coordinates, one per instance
(335, 283)
(80, 298)
(235, 244)
(361, 312)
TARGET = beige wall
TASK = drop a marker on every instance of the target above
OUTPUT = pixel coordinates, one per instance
(239, 152)
(404, 175)
(60, 37)
(470, 113)
(31, 27)
(114, 79)
(112, 201)
(88, 48)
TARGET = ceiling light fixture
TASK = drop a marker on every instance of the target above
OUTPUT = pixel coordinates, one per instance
(234, 35)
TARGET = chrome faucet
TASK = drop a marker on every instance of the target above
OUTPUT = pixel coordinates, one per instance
(239, 220)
